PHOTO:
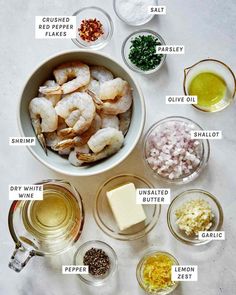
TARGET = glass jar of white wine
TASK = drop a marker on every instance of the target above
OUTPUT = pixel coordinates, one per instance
(47, 227)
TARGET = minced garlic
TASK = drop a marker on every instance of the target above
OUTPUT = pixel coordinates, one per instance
(157, 272)
(194, 216)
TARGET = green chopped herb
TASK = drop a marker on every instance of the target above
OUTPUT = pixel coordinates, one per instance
(143, 52)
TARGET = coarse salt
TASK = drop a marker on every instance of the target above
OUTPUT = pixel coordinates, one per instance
(134, 11)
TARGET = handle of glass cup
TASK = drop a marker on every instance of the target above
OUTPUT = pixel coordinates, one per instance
(20, 258)
(186, 71)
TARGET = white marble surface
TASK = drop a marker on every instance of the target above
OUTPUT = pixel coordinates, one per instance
(206, 29)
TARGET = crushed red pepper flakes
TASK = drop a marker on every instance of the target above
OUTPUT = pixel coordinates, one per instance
(90, 29)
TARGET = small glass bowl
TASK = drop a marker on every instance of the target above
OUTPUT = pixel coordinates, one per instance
(219, 68)
(183, 198)
(205, 150)
(140, 23)
(104, 216)
(139, 271)
(103, 17)
(126, 49)
(88, 278)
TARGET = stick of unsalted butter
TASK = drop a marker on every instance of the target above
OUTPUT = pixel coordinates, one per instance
(122, 201)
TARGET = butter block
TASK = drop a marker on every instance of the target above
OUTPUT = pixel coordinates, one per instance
(122, 201)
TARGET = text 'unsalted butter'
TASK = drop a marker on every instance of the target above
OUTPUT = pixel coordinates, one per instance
(152, 196)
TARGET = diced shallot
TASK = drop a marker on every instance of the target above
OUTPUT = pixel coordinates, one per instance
(171, 152)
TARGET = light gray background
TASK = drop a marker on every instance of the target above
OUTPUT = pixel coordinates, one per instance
(206, 30)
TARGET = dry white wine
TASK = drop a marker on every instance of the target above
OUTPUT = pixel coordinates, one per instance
(54, 220)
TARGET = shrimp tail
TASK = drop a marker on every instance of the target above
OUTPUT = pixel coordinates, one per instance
(64, 144)
(42, 141)
(39, 134)
(95, 98)
(93, 157)
(52, 91)
(67, 132)
(69, 143)
(125, 119)
(90, 158)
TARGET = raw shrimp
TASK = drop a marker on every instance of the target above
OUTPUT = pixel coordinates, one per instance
(50, 87)
(91, 85)
(98, 102)
(101, 74)
(61, 123)
(77, 71)
(73, 155)
(78, 110)
(73, 118)
(92, 89)
(125, 119)
(94, 86)
(51, 90)
(64, 152)
(119, 105)
(82, 139)
(44, 118)
(111, 89)
(105, 137)
(110, 121)
(84, 149)
(51, 138)
(54, 98)
(104, 143)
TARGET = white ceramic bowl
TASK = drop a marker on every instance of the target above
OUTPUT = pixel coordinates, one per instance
(44, 72)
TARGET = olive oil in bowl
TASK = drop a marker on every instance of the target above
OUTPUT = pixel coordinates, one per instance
(209, 87)
(213, 82)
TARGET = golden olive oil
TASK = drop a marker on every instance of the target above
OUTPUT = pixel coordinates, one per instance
(209, 87)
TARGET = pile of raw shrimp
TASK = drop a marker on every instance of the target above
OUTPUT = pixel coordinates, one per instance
(83, 114)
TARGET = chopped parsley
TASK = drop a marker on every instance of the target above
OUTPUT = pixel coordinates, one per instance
(143, 52)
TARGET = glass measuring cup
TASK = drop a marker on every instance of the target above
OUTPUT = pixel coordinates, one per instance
(219, 68)
(48, 227)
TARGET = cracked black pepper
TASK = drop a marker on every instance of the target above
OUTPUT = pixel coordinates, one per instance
(97, 261)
